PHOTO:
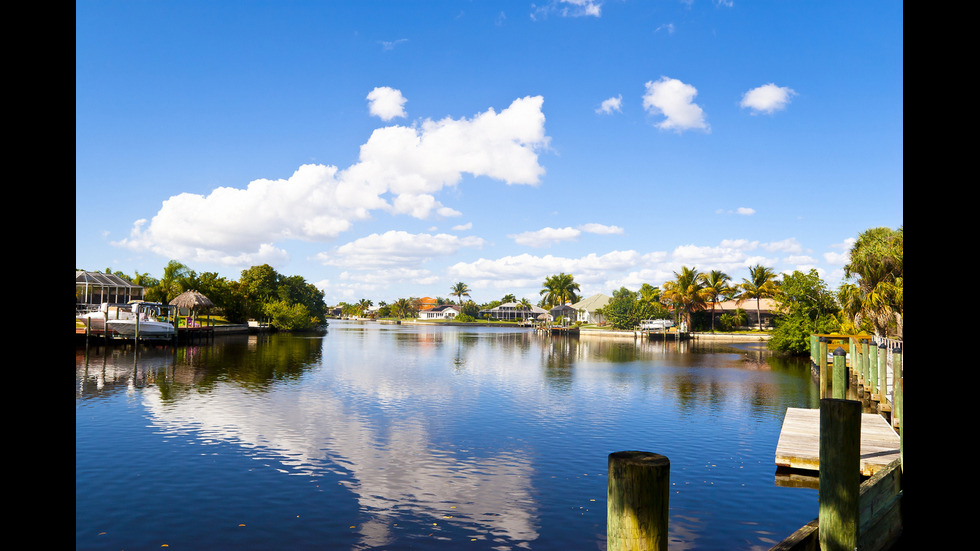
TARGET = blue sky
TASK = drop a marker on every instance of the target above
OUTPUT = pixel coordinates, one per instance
(385, 149)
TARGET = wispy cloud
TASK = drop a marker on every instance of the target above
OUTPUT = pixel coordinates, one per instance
(549, 236)
(568, 8)
(610, 105)
(388, 45)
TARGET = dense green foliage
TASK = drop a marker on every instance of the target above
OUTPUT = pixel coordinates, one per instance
(288, 302)
(628, 308)
(806, 307)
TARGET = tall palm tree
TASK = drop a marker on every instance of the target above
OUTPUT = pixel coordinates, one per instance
(716, 286)
(761, 284)
(559, 289)
(686, 292)
(459, 291)
(877, 261)
(402, 307)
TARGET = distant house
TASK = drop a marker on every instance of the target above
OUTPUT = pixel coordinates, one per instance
(768, 308)
(587, 308)
(442, 311)
(513, 311)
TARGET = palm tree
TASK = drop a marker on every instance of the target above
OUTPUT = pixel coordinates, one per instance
(716, 286)
(761, 284)
(459, 291)
(877, 261)
(402, 307)
(559, 289)
(686, 292)
(525, 306)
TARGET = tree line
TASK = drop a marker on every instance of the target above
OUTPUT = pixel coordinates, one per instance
(870, 302)
(286, 302)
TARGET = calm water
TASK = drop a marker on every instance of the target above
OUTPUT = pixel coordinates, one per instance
(401, 437)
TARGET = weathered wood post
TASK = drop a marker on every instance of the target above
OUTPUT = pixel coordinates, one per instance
(840, 374)
(840, 474)
(897, 377)
(822, 366)
(637, 501)
(873, 369)
(868, 382)
(883, 402)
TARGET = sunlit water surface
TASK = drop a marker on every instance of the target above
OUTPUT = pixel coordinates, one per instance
(403, 437)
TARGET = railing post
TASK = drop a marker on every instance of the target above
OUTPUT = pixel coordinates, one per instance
(822, 366)
(840, 474)
(883, 401)
(873, 369)
(637, 504)
(897, 377)
(840, 374)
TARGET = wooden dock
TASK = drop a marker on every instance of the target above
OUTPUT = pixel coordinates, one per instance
(799, 441)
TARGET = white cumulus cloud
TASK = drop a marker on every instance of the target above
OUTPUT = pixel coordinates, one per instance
(767, 98)
(400, 169)
(675, 101)
(386, 103)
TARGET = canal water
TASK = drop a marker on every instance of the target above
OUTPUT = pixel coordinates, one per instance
(423, 437)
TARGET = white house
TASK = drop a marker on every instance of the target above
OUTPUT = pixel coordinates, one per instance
(587, 308)
(441, 312)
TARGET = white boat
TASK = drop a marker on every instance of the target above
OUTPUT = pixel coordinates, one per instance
(98, 317)
(143, 323)
(655, 325)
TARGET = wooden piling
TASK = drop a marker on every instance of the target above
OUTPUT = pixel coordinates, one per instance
(822, 366)
(840, 374)
(637, 504)
(840, 478)
(897, 377)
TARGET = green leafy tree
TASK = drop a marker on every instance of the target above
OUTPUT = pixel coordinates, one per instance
(176, 279)
(287, 316)
(805, 307)
(877, 263)
(627, 308)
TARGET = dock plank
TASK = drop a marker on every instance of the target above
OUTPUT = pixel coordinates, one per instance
(799, 441)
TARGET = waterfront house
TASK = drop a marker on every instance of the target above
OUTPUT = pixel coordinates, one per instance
(94, 288)
(767, 311)
(587, 309)
(512, 311)
(442, 311)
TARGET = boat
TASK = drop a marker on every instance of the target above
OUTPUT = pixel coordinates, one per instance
(655, 325)
(96, 319)
(143, 324)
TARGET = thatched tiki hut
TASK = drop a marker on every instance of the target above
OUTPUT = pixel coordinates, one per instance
(191, 300)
